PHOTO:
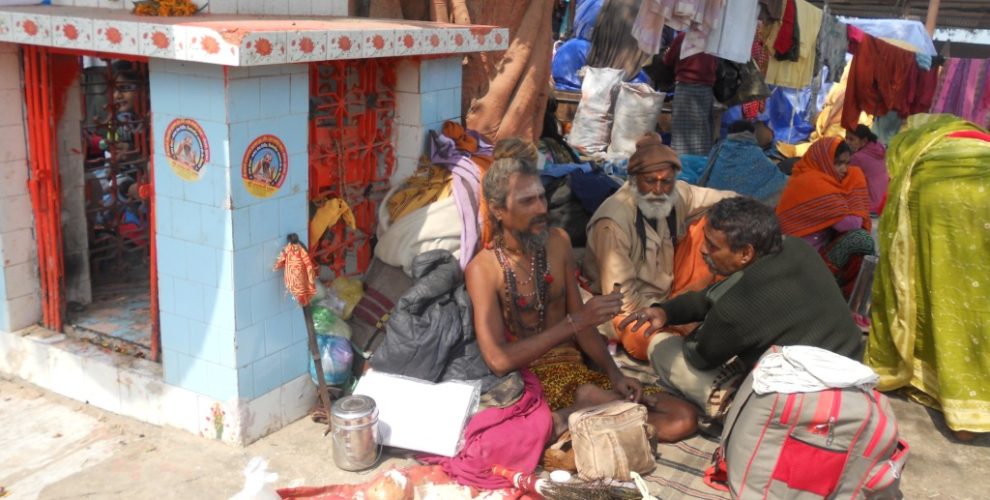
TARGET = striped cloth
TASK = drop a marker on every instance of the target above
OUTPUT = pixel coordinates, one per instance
(815, 198)
(691, 127)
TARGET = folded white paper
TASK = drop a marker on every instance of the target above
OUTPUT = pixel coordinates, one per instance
(419, 415)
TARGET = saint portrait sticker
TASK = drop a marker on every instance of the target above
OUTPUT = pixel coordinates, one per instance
(265, 166)
(186, 148)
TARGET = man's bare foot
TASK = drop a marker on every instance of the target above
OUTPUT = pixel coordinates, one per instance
(965, 436)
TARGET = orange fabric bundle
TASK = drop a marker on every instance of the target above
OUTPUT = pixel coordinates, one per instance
(815, 198)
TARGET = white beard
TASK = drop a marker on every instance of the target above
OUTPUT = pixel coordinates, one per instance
(656, 207)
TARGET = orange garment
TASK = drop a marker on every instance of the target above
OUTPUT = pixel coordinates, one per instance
(882, 78)
(300, 272)
(690, 274)
(815, 198)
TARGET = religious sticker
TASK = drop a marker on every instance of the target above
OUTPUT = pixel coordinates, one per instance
(186, 148)
(265, 166)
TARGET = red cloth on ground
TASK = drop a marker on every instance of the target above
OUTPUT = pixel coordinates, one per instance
(513, 437)
(881, 79)
(785, 37)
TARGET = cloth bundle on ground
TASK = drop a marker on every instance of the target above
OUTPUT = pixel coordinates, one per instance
(738, 164)
(466, 155)
(931, 326)
(430, 334)
(416, 481)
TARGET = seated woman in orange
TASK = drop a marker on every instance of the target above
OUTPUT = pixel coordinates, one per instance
(827, 203)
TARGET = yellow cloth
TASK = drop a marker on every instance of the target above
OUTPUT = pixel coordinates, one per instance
(931, 319)
(615, 251)
(562, 370)
(426, 186)
(797, 74)
(328, 215)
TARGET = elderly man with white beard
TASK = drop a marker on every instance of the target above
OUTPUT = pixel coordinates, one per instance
(633, 234)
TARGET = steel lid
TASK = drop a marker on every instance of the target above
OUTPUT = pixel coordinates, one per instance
(353, 407)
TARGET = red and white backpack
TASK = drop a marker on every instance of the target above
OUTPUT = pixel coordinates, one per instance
(834, 443)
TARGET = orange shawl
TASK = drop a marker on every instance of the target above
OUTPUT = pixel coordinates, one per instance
(815, 198)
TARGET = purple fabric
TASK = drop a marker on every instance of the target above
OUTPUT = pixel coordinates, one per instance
(964, 90)
(513, 437)
(871, 160)
(848, 223)
(466, 187)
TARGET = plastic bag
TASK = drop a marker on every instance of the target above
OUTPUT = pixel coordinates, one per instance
(592, 125)
(636, 112)
(258, 482)
(327, 322)
(336, 357)
(348, 291)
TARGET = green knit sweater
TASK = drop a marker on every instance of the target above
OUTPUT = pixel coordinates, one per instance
(789, 298)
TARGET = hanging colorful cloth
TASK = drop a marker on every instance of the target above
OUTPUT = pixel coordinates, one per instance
(326, 216)
(300, 272)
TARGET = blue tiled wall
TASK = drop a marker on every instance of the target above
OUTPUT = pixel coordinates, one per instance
(228, 328)
(271, 344)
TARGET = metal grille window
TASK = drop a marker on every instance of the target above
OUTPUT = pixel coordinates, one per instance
(116, 146)
(351, 155)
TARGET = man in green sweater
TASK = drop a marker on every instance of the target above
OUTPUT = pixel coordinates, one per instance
(776, 291)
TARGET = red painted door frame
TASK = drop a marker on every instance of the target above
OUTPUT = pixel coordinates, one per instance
(45, 188)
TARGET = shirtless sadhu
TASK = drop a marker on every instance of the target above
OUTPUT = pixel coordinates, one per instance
(528, 312)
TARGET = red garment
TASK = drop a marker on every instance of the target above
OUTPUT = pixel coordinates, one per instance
(699, 68)
(785, 37)
(924, 91)
(881, 80)
(855, 37)
(513, 437)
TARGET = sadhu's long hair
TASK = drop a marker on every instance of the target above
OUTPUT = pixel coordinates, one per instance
(512, 156)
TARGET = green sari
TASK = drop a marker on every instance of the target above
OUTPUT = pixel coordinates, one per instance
(931, 307)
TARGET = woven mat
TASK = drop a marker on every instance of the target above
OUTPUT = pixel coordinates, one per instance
(681, 468)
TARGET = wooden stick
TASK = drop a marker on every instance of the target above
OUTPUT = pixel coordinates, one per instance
(314, 350)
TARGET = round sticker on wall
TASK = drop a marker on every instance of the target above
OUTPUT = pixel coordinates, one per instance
(265, 166)
(186, 148)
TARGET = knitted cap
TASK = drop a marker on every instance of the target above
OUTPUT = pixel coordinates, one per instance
(651, 154)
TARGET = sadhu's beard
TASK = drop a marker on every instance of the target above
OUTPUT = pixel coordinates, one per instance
(531, 241)
(656, 206)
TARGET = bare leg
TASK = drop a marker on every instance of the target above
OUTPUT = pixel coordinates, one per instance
(585, 396)
(674, 418)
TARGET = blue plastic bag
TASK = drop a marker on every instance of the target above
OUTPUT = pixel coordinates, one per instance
(337, 357)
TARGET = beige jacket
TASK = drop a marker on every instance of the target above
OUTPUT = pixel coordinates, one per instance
(613, 244)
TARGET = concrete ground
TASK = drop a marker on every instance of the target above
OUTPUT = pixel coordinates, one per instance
(56, 448)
